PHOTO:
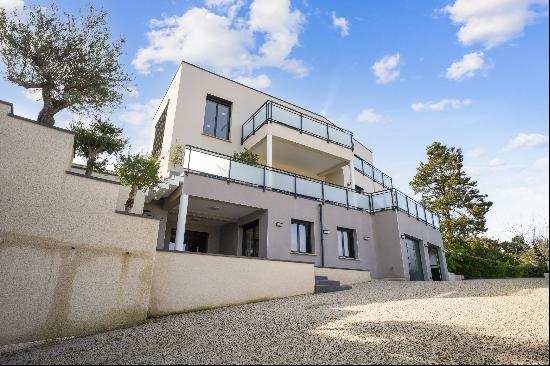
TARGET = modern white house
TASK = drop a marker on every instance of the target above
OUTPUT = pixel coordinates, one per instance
(315, 195)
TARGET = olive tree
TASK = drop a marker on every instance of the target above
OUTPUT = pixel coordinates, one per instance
(94, 142)
(139, 172)
(72, 60)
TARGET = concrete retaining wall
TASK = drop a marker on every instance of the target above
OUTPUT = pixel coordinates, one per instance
(69, 264)
(188, 281)
(345, 276)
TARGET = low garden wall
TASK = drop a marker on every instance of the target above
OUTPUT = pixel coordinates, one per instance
(191, 281)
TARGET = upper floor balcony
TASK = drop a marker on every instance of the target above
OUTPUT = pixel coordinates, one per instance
(272, 112)
(291, 140)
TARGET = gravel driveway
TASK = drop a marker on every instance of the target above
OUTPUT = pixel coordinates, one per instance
(485, 321)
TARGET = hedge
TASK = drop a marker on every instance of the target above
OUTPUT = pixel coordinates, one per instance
(476, 267)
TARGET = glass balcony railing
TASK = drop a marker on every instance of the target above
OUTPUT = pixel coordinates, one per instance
(224, 167)
(369, 170)
(271, 112)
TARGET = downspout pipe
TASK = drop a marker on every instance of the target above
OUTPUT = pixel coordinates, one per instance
(322, 235)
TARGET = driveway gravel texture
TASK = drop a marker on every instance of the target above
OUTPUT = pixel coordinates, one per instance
(381, 322)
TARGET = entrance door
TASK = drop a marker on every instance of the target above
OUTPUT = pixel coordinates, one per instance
(415, 261)
(434, 263)
(196, 241)
(251, 239)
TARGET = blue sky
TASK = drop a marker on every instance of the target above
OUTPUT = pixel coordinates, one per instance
(399, 74)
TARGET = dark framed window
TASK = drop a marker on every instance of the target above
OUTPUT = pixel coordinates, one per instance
(346, 243)
(159, 131)
(217, 117)
(300, 237)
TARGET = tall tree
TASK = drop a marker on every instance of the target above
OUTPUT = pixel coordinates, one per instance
(139, 172)
(94, 142)
(73, 61)
(447, 191)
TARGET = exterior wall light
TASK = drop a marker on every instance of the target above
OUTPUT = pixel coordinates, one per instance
(279, 224)
(326, 232)
(366, 237)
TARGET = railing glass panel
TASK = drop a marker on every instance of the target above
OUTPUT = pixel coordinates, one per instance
(358, 164)
(378, 175)
(436, 221)
(279, 181)
(335, 194)
(247, 173)
(209, 164)
(285, 116)
(381, 201)
(401, 201)
(314, 127)
(309, 188)
(360, 200)
(340, 137)
(248, 128)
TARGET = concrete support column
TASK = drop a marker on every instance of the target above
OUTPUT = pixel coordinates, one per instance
(269, 159)
(182, 218)
(269, 152)
(352, 174)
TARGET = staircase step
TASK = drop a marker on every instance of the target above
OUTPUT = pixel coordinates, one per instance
(320, 289)
(327, 282)
(321, 278)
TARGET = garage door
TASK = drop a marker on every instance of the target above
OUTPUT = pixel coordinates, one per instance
(415, 261)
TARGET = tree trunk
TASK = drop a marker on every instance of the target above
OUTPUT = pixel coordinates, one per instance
(90, 163)
(50, 108)
(46, 115)
(130, 201)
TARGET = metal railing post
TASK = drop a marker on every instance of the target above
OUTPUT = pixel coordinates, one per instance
(295, 192)
(229, 173)
(188, 162)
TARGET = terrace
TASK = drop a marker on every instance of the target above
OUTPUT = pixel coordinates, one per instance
(219, 166)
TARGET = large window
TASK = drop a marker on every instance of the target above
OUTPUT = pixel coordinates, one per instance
(159, 131)
(217, 117)
(346, 243)
(300, 237)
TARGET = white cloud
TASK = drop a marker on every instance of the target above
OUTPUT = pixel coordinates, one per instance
(33, 94)
(496, 163)
(140, 113)
(541, 164)
(467, 67)
(441, 105)
(370, 116)
(527, 141)
(341, 24)
(493, 22)
(386, 69)
(229, 7)
(10, 5)
(225, 43)
(475, 153)
(258, 82)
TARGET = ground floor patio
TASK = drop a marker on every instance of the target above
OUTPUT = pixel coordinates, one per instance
(381, 322)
